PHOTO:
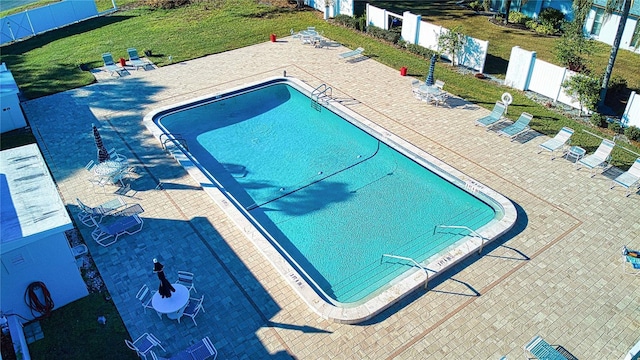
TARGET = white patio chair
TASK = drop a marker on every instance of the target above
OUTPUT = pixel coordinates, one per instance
(186, 278)
(144, 344)
(145, 296)
(193, 308)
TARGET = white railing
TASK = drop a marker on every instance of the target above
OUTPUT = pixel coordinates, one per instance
(426, 271)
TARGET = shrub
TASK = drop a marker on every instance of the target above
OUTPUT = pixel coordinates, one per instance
(476, 5)
(615, 127)
(420, 50)
(632, 133)
(361, 23)
(346, 20)
(531, 24)
(517, 17)
(167, 4)
(552, 18)
(390, 36)
(545, 29)
(598, 120)
(617, 85)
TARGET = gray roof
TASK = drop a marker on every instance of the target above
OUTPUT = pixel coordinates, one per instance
(31, 205)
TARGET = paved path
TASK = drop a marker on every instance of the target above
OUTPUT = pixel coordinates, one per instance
(556, 274)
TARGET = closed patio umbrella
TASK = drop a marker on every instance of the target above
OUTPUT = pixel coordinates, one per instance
(165, 289)
(103, 154)
(429, 81)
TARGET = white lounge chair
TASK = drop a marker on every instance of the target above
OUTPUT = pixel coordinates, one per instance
(539, 348)
(135, 60)
(117, 226)
(110, 65)
(520, 126)
(495, 116)
(351, 54)
(633, 258)
(629, 178)
(558, 142)
(202, 350)
(91, 216)
(600, 158)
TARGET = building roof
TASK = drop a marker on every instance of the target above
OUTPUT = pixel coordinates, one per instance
(31, 207)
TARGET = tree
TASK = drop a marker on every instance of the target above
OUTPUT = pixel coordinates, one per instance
(624, 14)
(583, 88)
(451, 42)
(571, 48)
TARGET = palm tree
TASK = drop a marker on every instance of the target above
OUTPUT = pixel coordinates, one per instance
(624, 14)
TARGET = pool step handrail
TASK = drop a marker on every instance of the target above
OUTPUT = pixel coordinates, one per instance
(323, 92)
(426, 271)
(473, 232)
(177, 139)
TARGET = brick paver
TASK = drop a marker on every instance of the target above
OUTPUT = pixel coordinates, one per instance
(556, 274)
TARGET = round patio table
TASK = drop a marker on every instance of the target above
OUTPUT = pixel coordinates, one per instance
(109, 168)
(174, 305)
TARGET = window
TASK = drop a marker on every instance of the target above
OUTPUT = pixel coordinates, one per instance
(597, 22)
(635, 39)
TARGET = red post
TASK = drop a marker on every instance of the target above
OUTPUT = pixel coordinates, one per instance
(403, 71)
(123, 62)
(273, 37)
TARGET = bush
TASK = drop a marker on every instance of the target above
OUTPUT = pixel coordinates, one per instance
(615, 127)
(617, 85)
(545, 29)
(632, 133)
(598, 120)
(346, 20)
(167, 4)
(476, 5)
(517, 17)
(390, 36)
(531, 24)
(420, 50)
(552, 18)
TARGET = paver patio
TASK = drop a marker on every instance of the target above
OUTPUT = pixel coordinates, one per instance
(556, 274)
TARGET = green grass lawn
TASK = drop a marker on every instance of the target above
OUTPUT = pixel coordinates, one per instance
(73, 332)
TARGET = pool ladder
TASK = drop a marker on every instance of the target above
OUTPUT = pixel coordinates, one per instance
(321, 93)
(426, 271)
(473, 232)
(177, 139)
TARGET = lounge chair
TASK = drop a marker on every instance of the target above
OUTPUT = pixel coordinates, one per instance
(294, 34)
(600, 158)
(201, 350)
(520, 126)
(351, 54)
(562, 138)
(110, 65)
(494, 117)
(117, 226)
(633, 258)
(542, 350)
(135, 60)
(93, 215)
(629, 178)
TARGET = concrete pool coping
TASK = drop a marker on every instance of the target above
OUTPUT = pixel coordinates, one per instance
(400, 287)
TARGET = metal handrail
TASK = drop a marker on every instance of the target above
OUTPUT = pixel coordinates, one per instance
(426, 271)
(482, 238)
(322, 89)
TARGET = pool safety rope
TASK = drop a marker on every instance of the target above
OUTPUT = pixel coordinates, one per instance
(32, 299)
(255, 206)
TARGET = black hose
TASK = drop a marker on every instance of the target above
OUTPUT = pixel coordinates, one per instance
(33, 301)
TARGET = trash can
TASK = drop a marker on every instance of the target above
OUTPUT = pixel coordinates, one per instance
(273, 37)
(123, 62)
(403, 71)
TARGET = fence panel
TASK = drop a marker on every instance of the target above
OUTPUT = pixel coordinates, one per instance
(519, 68)
(45, 18)
(631, 116)
(428, 35)
(376, 17)
(546, 79)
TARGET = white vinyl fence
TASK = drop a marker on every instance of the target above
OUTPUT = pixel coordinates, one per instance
(45, 18)
(631, 115)
(416, 31)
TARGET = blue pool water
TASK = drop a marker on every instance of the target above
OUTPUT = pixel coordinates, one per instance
(334, 197)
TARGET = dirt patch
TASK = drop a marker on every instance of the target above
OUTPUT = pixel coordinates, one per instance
(88, 268)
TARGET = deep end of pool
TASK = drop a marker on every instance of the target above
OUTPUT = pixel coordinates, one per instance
(311, 293)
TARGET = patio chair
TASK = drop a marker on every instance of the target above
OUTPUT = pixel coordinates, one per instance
(631, 257)
(351, 54)
(629, 178)
(115, 156)
(415, 89)
(110, 65)
(294, 34)
(193, 308)
(542, 350)
(600, 158)
(186, 278)
(203, 350)
(118, 226)
(495, 116)
(558, 142)
(135, 60)
(92, 215)
(144, 344)
(520, 126)
(145, 296)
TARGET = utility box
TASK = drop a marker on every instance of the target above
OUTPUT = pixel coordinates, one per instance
(11, 116)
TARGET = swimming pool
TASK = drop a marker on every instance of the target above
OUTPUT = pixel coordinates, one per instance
(330, 196)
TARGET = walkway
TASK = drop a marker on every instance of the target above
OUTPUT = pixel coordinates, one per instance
(556, 274)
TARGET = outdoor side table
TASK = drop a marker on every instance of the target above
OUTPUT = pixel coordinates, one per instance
(172, 306)
(576, 153)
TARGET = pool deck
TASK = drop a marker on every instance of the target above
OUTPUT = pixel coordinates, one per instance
(557, 273)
